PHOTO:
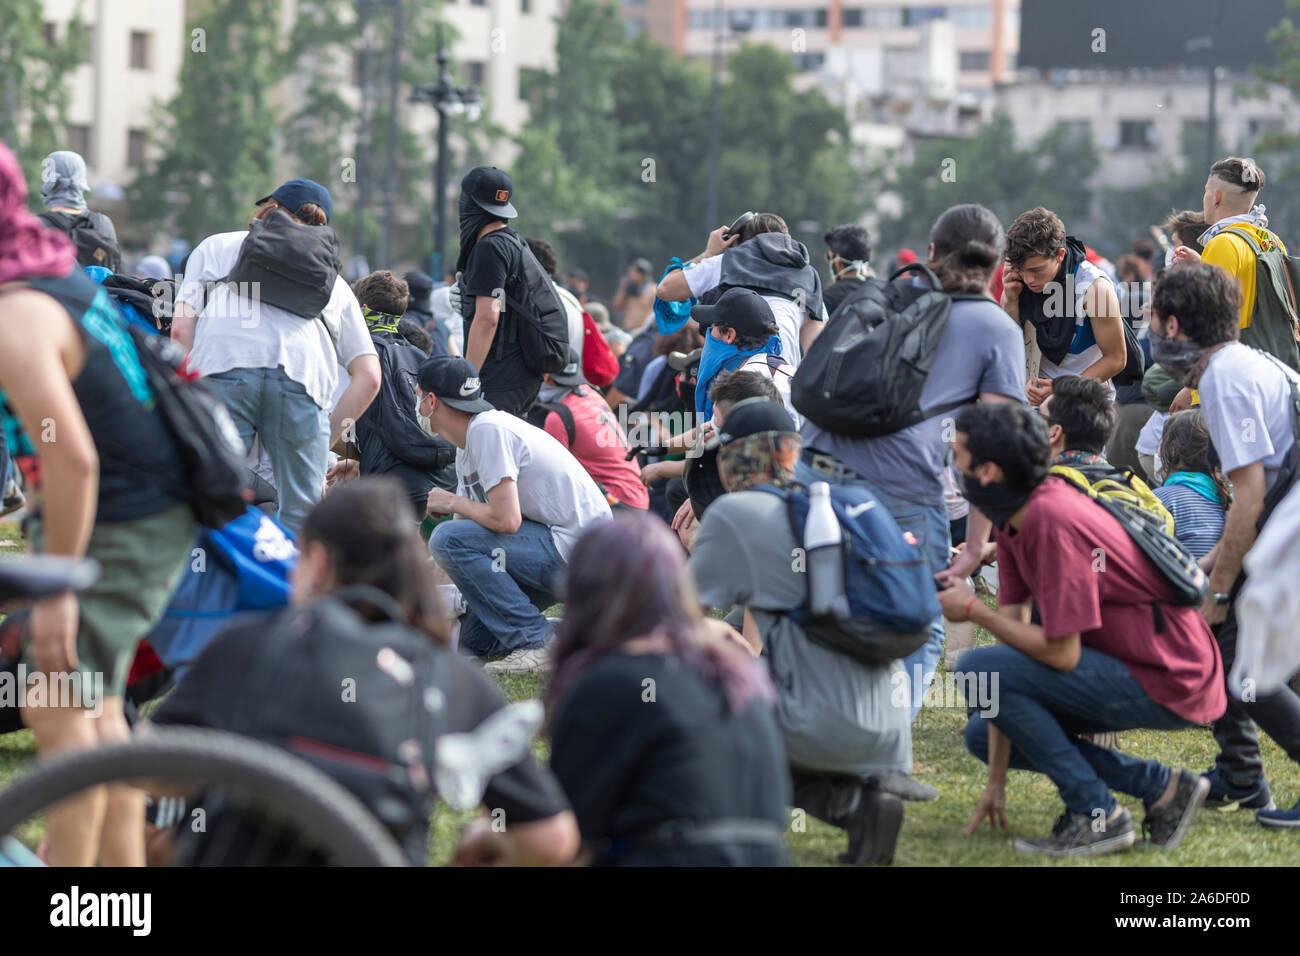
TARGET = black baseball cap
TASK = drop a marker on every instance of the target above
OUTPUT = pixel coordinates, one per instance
(754, 416)
(741, 309)
(453, 381)
(491, 189)
(572, 373)
(296, 192)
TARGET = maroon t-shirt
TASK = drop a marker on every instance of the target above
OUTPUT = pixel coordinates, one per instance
(1087, 576)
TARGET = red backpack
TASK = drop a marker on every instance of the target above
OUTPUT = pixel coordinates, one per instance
(599, 364)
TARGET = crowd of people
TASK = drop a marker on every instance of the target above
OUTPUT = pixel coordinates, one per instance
(729, 515)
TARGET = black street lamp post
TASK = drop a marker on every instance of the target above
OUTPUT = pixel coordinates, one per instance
(449, 100)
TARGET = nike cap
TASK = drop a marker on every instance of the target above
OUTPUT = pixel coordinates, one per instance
(454, 381)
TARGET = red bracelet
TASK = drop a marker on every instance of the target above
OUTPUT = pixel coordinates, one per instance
(970, 604)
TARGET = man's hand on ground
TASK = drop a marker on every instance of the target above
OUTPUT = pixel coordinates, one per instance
(992, 806)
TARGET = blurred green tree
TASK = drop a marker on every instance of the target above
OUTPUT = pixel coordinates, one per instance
(34, 76)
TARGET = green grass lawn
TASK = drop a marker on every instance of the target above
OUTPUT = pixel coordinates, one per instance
(932, 832)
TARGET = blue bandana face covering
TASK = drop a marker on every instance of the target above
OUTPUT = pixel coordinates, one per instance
(717, 357)
(1198, 481)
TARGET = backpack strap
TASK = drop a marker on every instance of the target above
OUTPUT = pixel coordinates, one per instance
(566, 417)
(1255, 247)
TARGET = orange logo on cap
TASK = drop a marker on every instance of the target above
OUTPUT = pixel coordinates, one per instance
(503, 195)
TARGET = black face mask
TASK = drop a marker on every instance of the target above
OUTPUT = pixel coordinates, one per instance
(473, 217)
(997, 500)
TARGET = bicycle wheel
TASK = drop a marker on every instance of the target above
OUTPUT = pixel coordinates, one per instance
(324, 821)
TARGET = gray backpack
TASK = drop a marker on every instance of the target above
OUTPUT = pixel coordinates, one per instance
(291, 265)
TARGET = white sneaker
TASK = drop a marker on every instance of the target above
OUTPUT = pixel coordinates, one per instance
(526, 660)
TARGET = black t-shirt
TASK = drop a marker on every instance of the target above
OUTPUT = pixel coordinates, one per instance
(140, 471)
(492, 261)
(214, 689)
(833, 295)
(630, 764)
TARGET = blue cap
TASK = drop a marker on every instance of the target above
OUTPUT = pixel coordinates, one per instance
(295, 192)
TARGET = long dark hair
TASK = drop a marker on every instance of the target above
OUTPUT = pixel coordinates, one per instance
(366, 528)
(1186, 446)
(967, 246)
(627, 579)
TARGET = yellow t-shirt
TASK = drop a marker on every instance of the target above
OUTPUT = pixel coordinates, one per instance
(1233, 255)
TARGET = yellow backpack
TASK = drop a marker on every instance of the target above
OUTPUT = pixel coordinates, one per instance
(1121, 486)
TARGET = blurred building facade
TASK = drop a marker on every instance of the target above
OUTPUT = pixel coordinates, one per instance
(1139, 121)
(899, 69)
(135, 50)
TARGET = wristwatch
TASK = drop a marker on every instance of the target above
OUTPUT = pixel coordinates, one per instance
(1220, 598)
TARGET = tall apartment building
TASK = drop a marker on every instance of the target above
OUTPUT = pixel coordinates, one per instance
(133, 63)
(137, 46)
(899, 68)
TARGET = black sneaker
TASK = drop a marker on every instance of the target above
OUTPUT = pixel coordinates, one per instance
(1167, 826)
(873, 827)
(1074, 835)
(1227, 796)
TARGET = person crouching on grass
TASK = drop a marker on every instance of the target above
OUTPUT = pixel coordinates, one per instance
(1110, 654)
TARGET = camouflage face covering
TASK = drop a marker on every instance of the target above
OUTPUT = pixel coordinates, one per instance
(767, 458)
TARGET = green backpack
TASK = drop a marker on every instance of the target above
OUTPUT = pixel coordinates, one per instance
(1273, 325)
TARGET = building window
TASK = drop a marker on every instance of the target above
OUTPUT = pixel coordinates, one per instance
(79, 141)
(883, 17)
(853, 17)
(804, 62)
(137, 140)
(633, 26)
(972, 18)
(1137, 134)
(525, 6)
(975, 61)
(141, 52)
(478, 3)
(50, 32)
(475, 70)
(915, 16)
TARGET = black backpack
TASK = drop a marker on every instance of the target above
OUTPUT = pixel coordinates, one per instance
(540, 411)
(153, 299)
(214, 481)
(93, 247)
(360, 700)
(542, 324)
(864, 373)
(294, 265)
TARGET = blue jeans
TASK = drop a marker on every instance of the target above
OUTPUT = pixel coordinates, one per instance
(507, 581)
(930, 527)
(1042, 710)
(294, 430)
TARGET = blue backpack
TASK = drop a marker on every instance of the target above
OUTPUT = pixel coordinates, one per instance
(242, 566)
(890, 588)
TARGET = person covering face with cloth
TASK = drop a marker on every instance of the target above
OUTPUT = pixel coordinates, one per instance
(739, 325)
(488, 258)
(1112, 652)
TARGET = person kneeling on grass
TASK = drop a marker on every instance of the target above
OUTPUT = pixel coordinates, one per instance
(522, 502)
(663, 731)
(1111, 652)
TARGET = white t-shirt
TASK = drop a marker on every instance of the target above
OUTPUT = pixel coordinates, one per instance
(233, 331)
(554, 489)
(780, 378)
(1246, 401)
(707, 273)
(573, 309)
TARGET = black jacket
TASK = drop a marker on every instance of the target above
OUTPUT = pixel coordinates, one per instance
(389, 439)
